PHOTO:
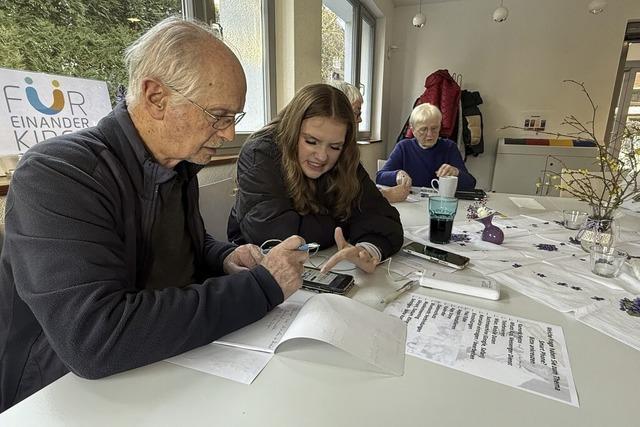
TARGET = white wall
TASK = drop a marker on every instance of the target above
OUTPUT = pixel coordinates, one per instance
(517, 65)
(298, 62)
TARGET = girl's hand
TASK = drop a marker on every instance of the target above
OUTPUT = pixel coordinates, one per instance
(346, 251)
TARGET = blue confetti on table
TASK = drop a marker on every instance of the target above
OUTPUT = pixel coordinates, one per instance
(546, 247)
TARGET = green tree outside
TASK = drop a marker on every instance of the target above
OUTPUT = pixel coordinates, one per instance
(76, 38)
(332, 53)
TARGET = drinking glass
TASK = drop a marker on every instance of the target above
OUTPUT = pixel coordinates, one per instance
(573, 220)
(607, 261)
(442, 211)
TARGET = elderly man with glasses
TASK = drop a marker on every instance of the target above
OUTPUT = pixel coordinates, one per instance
(106, 265)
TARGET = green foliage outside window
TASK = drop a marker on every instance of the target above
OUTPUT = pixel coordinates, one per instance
(78, 38)
(332, 44)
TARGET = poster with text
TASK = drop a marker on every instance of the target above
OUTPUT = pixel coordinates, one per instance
(37, 106)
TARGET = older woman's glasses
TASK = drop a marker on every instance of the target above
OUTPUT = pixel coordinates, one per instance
(218, 122)
(425, 130)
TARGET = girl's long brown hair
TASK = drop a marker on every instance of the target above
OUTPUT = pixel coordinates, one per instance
(340, 185)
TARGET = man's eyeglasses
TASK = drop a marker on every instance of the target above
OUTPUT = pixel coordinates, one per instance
(217, 122)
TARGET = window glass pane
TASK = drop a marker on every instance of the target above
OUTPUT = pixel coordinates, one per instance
(631, 112)
(366, 74)
(78, 38)
(242, 30)
(337, 40)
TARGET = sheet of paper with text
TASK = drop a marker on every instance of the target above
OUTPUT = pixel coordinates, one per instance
(517, 352)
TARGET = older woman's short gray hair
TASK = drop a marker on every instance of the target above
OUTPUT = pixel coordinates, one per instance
(352, 92)
(168, 52)
(422, 113)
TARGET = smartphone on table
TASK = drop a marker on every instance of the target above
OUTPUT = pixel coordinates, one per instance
(475, 194)
(336, 283)
(436, 255)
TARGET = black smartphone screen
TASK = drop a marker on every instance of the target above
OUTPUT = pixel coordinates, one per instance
(438, 254)
(334, 283)
(475, 194)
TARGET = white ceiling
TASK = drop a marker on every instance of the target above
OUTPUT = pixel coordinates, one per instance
(415, 2)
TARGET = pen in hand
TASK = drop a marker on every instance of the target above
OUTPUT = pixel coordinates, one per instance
(305, 247)
(309, 247)
(395, 294)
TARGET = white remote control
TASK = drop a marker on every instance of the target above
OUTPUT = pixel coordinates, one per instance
(482, 287)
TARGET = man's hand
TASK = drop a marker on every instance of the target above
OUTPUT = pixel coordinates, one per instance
(346, 251)
(396, 194)
(447, 170)
(242, 258)
(286, 264)
(403, 178)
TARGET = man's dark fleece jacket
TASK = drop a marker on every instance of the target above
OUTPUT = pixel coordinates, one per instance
(76, 259)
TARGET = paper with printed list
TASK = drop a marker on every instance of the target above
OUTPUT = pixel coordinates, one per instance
(521, 353)
(371, 336)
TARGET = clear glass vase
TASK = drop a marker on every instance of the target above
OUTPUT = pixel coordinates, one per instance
(597, 231)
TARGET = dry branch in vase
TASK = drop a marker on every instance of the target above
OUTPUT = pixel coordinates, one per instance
(615, 178)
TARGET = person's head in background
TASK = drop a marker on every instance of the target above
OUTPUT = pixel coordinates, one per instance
(316, 133)
(425, 121)
(353, 95)
(186, 91)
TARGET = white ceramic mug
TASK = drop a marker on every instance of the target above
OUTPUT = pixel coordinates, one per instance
(447, 185)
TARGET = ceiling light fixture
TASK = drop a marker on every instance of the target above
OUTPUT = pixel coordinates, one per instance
(501, 13)
(597, 6)
(419, 20)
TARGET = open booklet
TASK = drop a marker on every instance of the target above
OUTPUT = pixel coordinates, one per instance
(376, 338)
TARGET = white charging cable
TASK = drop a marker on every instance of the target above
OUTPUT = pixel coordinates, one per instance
(400, 276)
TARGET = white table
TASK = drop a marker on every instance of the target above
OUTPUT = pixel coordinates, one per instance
(313, 386)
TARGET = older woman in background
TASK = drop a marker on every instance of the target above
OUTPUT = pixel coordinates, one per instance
(426, 156)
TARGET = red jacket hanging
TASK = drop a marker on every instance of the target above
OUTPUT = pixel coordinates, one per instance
(442, 91)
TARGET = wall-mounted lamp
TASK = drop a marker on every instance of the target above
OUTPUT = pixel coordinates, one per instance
(390, 49)
(501, 13)
(597, 6)
(419, 19)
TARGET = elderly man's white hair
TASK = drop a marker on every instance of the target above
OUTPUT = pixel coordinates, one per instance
(422, 113)
(167, 52)
(352, 92)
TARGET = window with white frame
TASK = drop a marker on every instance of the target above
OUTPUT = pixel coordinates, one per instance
(242, 26)
(348, 37)
(337, 40)
(367, 24)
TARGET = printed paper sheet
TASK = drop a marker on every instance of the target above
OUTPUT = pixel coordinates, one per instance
(521, 353)
(232, 363)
